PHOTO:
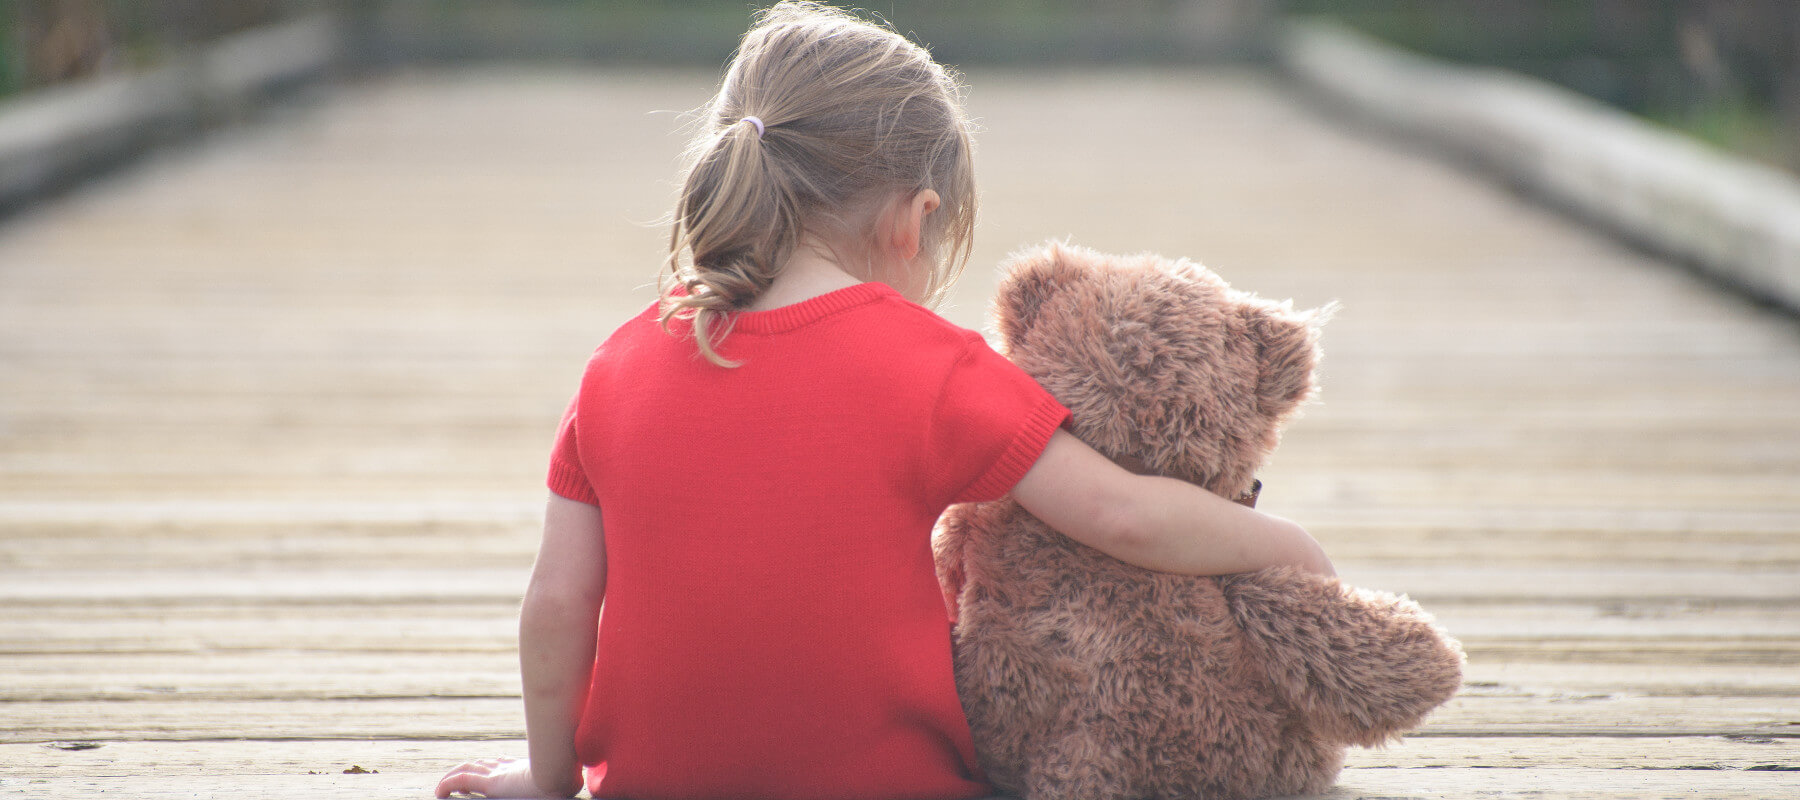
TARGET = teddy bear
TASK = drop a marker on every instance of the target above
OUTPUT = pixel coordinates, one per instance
(1086, 677)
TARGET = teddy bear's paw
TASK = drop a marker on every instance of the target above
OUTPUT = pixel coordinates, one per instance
(1362, 667)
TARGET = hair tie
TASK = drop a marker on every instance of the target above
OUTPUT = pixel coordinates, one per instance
(757, 121)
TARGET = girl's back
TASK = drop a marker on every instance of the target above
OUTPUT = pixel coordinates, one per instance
(773, 624)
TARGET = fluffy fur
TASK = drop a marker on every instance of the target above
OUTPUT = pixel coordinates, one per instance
(1084, 677)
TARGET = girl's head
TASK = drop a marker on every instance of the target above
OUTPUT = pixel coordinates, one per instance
(855, 121)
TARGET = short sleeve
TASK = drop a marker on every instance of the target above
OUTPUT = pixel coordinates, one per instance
(991, 423)
(567, 477)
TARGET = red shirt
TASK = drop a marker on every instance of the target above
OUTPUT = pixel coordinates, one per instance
(773, 626)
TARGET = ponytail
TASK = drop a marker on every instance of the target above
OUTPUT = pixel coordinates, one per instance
(739, 223)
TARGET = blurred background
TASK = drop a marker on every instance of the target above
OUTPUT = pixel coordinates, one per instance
(1725, 71)
(275, 402)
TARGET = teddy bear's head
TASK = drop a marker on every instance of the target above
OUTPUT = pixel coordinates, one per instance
(1167, 369)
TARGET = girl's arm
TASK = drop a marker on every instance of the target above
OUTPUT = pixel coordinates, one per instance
(1157, 523)
(558, 623)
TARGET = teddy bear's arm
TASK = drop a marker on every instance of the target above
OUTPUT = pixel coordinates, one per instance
(1363, 666)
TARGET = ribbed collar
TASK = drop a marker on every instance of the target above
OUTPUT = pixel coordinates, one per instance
(810, 310)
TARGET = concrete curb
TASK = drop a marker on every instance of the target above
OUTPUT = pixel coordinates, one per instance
(1735, 220)
(52, 138)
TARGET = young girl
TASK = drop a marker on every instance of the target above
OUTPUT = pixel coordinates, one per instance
(751, 469)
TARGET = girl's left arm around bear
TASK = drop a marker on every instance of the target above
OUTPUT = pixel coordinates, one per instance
(1154, 522)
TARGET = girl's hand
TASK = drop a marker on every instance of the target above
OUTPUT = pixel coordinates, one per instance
(495, 778)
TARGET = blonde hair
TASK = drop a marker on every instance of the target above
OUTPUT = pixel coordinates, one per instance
(851, 114)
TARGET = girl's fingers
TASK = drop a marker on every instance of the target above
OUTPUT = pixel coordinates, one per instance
(489, 777)
(466, 779)
(462, 785)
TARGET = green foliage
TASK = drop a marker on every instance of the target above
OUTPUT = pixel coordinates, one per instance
(47, 41)
(1733, 123)
(11, 60)
(704, 31)
(1724, 72)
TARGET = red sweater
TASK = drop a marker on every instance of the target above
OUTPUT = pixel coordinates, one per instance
(773, 626)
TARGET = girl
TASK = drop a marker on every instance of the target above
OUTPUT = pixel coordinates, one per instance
(750, 471)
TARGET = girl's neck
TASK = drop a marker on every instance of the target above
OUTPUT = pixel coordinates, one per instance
(810, 271)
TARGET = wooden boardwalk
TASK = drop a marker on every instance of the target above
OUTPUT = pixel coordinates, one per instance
(274, 413)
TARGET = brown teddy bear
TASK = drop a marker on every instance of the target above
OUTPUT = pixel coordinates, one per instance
(1085, 677)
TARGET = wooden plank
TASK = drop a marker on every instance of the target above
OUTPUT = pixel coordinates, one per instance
(1427, 583)
(1514, 710)
(1477, 712)
(122, 521)
(1410, 483)
(268, 674)
(326, 623)
(1434, 784)
(1471, 619)
(1634, 619)
(343, 635)
(217, 718)
(304, 534)
(1570, 783)
(1563, 637)
(92, 782)
(1558, 582)
(423, 755)
(214, 641)
(1585, 752)
(1664, 678)
(207, 515)
(1355, 784)
(1697, 431)
(1589, 767)
(317, 470)
(288, 674)
(1652, 651)
(322, 636)
(288, 757)
(283, 684)
(285, 673)
(381, 584)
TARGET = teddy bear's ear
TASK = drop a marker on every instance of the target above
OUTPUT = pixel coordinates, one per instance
(1287, 343)
(1029, 278)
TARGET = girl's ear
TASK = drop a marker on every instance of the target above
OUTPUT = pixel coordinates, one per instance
(905, 231)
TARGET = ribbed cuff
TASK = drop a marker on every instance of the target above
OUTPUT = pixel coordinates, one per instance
(569, 481)
(1020, 454)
